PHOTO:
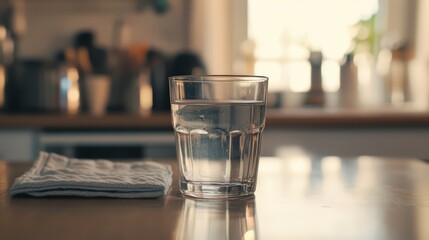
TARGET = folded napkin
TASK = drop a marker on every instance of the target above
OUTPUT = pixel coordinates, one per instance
(56, 175)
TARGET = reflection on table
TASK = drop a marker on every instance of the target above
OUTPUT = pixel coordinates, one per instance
(303, 197)
(217, 219)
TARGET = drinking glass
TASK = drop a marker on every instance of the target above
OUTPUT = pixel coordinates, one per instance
(218, 121)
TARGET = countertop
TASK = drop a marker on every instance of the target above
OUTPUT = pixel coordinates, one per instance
(298, 197)
(275, 118)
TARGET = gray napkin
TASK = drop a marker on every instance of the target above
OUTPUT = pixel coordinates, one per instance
(56, 175)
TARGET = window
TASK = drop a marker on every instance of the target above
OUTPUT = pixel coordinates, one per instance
(285, 31)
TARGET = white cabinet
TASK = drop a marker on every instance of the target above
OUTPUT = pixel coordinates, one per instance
(21, 145)
(18, 145)
(24, 145)
(395, 142)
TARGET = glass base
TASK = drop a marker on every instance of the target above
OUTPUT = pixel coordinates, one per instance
(216, 190)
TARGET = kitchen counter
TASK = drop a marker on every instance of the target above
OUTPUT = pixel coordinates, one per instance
(298, 197)
(275, 118)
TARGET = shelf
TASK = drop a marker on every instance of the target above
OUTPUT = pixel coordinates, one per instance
(348, 118)
(111, 121)
(275, 118)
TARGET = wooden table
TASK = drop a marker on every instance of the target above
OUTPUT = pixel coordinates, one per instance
(298, 197)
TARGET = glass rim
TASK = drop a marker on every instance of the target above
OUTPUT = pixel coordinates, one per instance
(218, 78)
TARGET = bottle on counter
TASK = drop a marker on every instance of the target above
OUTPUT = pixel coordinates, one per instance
(69, 93)
(6, 60)
(348, 92)
(315, 96)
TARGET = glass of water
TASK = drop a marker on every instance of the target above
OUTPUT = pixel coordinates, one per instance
(218, 121)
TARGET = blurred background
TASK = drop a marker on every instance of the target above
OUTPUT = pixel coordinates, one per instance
(90, 78)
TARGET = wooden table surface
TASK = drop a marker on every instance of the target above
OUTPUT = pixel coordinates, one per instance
(298, 197)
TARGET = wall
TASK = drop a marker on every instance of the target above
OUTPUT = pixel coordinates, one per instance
(50, 25)
(421, 63)
(217, 30)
